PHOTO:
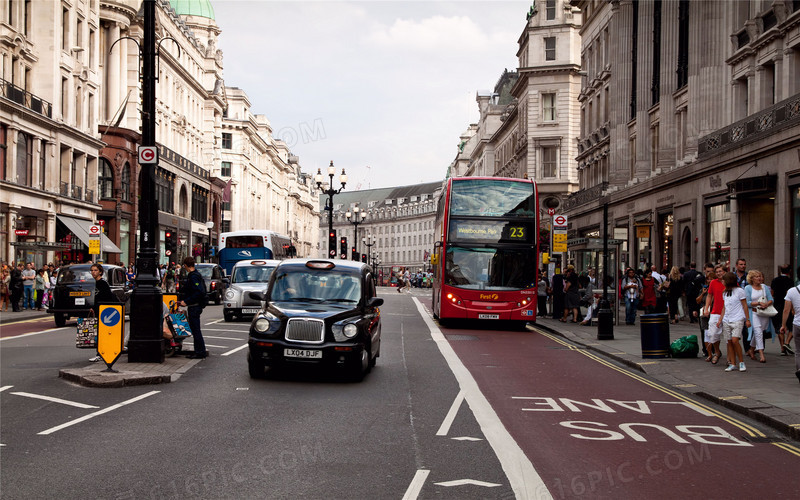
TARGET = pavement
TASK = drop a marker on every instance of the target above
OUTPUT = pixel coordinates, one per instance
(767, 392)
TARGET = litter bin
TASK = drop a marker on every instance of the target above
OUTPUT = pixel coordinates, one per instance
(655, 335)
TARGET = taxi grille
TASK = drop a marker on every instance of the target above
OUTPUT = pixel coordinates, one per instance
(305, 330)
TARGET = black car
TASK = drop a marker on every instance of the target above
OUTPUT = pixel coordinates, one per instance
(317, 312)
(73, 295)
(215, 279)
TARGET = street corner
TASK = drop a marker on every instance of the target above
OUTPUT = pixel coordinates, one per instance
(97, 376)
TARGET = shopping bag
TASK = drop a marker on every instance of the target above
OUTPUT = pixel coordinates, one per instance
(179, 325)
(86, 336)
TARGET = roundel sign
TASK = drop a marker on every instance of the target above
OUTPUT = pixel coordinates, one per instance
(148, 154)
(560, 220)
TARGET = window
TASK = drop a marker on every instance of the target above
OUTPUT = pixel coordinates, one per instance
(550, 48)
(105, 180)
(719, 233)
(226, 169)
(227, 141)
(43, 165)
(550, 9)
(24, 159)
(65, 29)
(548, 107)
(199, 203)
(64, 94)
(3, 149)
(549, 162)
(126, 183)
(165, 190)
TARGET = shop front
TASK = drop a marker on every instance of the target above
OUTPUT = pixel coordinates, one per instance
(76, 232)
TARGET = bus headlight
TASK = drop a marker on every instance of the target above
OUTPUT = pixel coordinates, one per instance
(453, 298)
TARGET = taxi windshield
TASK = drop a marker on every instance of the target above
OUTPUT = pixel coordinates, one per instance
(252, 274)
(316, 285)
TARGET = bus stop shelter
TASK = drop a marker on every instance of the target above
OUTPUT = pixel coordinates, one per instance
(588, 252)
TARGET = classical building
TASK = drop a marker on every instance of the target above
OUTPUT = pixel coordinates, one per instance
(690, 131)
(528, 124)
(398, 225)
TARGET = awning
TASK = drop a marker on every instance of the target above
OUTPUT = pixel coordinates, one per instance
(80, 228)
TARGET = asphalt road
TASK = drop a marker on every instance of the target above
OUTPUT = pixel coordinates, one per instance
(454, 412)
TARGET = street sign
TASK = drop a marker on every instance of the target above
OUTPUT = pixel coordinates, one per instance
(95, 230)
(110, 333)
(148, 154)
(94, 246)
(551, 211)
(560, 220)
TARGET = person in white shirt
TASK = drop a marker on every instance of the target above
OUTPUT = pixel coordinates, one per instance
(792, 305)
(734, 316)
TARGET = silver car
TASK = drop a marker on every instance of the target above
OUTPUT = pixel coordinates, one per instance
(247, 276)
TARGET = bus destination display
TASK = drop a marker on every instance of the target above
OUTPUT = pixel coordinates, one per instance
(489, 231)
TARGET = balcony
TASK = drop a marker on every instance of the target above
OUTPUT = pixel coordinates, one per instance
(25, 98)
(64, 189)
(89, 195)
(77, 192)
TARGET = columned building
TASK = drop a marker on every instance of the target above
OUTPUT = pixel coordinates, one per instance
(398, 226)
(696, 154)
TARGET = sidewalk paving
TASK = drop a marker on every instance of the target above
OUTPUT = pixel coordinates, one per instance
(768, 392)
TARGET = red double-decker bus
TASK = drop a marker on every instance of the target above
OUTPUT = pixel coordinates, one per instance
(485, 261)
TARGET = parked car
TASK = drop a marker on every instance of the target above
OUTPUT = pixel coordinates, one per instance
(247, 276)
(73, 295)
(317, 312)
(215, 279)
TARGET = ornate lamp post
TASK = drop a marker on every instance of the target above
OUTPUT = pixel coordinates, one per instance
(356, 217)
(329, 203)
(369, 241)
(210, 226)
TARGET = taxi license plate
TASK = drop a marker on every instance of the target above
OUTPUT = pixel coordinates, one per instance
(250, 311)
(302, 353)
(488, 316)
(79, 294)
(80, 301)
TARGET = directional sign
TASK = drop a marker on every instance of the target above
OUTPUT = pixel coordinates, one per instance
(148, 154)
(560, 220)
(110, 333)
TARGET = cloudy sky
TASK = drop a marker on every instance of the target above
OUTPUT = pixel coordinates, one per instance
(382, 88)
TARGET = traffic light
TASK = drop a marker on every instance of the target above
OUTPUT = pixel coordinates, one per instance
(343, 247)
(170, 245)
(332, 244)
(354, 254)
(364, 258)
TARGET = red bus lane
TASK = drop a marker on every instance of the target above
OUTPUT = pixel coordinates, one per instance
(21, 327)
(592, 429)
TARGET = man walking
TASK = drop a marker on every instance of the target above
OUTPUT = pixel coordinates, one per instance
(694, 282)
(194, 298)
(15, 286)
(28, 279)
(779, 286)
(741, 280)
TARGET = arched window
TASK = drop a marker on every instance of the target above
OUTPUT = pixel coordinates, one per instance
(126, 182)
(105, 180)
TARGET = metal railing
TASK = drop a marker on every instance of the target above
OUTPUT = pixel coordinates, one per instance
(25, 98)
(64, 189)
(77, 192)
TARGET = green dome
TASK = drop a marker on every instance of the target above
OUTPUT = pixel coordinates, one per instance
(201, 8)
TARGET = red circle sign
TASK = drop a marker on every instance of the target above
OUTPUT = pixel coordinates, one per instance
(560, 220)
(168, 252)
(147, 154)
(94, 229)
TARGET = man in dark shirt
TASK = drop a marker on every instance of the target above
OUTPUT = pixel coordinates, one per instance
(779, 286)
(15, 286)
(102, 290)
(193, 296)
(693, 282)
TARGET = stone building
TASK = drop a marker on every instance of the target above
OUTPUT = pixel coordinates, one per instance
(690, 131)
(398, 225)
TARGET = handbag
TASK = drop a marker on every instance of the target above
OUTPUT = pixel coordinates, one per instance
(86, 336)
(767, 312)
(179, 325)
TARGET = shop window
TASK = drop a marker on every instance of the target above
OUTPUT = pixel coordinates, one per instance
(718, 229)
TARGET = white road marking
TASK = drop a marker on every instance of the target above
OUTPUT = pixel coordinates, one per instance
(216, 346)
(227, 330)
(53, 400)
(466, 438)
(687, 404)
(462, 482)
(5, 387)
(451, 415)
(97, 413)
(233, 350)
(416, 484)
(32, 334)
(219, 338)
(524, 480)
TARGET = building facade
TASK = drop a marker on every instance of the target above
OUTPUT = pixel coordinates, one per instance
(697, 153)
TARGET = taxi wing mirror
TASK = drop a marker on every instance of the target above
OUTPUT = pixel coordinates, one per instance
(375, 302)
(258, 296)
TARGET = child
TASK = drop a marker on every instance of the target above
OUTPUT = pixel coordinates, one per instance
(734, 314)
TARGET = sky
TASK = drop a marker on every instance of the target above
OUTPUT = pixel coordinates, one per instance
(382, 88)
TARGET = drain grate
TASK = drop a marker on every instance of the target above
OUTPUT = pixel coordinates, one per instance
(461, 337)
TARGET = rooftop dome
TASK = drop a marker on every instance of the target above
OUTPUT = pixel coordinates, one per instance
(201, 8)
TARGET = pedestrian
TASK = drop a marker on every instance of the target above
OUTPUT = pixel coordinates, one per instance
(38, 288)
(708, 346)
(102, 290)
(758, 297)
(194, 297)
(741, 273)
(169, 278)
(542, 291)
(792, 305)
(28, 278)
(572, 296)
(16, 286)
(713, 310)
(5, 289)
(647, 298)
(780, 285)
(674, 286)
(733, 318)
(693, 281)
(557, 289)
(632, 291)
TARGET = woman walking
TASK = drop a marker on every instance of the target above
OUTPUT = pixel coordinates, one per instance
(5, 290)
(734, 313)
(674, 293)
(758, 297)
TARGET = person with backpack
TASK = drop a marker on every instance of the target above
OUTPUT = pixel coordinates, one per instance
(195, 298)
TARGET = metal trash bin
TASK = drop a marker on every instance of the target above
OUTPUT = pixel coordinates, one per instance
(655, 335)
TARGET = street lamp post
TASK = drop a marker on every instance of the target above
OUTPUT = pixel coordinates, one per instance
(210, 226)
(329, 203)
(369, 241)
(356, 217)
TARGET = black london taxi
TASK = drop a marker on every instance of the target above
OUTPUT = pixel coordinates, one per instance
(317, 312)
(73, 295)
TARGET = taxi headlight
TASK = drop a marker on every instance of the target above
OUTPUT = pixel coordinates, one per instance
(261, 325)
(350, 330)
(229, 295)
(343, 331)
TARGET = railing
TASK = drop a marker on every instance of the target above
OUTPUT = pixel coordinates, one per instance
(585, 196)
(25, 98)
(89, 195)
(77, 192)
(64, 189)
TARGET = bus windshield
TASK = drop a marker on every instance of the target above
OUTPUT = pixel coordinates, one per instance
(248, 241)
(490, 268)
(488, 197)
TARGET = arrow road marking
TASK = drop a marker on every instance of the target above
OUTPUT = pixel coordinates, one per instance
(416, 484)
(451, 415)
(463, 482)
(5, 387)
(53, 400)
